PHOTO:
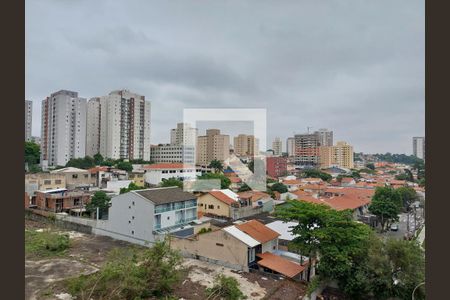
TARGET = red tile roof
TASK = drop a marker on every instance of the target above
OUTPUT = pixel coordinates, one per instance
(292, 181)
(97, 169)
(279, 264)
(222, 197)
(258, 231)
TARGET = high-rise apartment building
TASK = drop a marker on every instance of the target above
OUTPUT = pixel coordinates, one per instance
(28, 119)
(290, 146)
(63, 128)
(212, 146)
(93, 127)
(419, 147)
(307, 149)
(340, 155)
(325, 137)
(184, 134)
(277, 146)
(119, 126)
(245, 145)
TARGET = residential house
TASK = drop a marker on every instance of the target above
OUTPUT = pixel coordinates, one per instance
(243, 246)
(61, 200)
(43, 181)
(144, 216)
(76, 178)
(155, 173)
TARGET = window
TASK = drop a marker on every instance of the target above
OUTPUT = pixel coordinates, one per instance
(132, 217)
(218, 206)
(168, 218)
(76, 202)
(74, 176)
(47, 182)
(129, 222)
(86, 175)
(132, 202)
(132, 232)
(211, 206)
(58, 181)
(219, 244)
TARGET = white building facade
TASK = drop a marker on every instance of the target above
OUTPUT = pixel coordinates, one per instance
(172, 153)
(184, 134)
(63, 128)
(28, 119)
(154, 174)
(277, 146)
(119, 126)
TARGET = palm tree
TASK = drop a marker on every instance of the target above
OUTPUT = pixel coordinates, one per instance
(216, 165)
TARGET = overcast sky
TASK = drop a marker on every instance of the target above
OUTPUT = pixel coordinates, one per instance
(356, 67)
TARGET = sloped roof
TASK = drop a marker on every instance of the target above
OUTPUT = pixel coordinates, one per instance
(258, 231)
(69, 170)
(222, 197)
(279, 264)
(242, 236)
(165, 195)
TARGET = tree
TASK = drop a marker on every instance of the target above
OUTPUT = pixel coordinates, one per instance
(408, 196)
(125, 165)
(251, 165)
(244, 188)
(108, 162)
(216, 165)
(32, 154)
(225, 182)
(100, 200)
(98, 159)
(82, 163)
(326, 233)
(279, 187)
(386, 205)
(370, 166)
(315, 173)
(171, 182)
(131, 187)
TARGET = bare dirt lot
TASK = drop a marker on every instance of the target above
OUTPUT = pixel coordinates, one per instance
(87, 253)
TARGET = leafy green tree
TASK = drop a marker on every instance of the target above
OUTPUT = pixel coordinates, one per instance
(244, 188)
(216, 165)
(408, 196)
(386, 205)
(98, 159)
(326, 233)
(108, 162)
(279, 187)
(315, 173)
(131, 187)
(225, 182)
(100, 200)
(251, 165)
(32, 153)
(171, 182)
(125, 165)
(82, 163)
(370, 166)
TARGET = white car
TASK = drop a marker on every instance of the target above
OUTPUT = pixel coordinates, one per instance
(394, 227)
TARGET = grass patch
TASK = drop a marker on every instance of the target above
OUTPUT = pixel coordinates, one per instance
(131, 273)
(45, 243)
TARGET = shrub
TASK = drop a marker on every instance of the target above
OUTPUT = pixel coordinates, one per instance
(131, 273)
(46, 243)
(225, 287)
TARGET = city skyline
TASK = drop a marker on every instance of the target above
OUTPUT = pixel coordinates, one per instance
(366, 83)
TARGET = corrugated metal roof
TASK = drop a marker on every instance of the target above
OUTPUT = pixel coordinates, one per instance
(242, 236)
(283, 228)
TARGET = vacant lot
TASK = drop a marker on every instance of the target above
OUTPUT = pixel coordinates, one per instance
(45, 269)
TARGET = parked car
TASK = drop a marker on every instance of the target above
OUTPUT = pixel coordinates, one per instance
(394, 227)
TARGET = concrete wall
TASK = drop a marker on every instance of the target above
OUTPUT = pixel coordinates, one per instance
(217, 247)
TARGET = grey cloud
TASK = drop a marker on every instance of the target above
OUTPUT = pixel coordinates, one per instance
(354, 67)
